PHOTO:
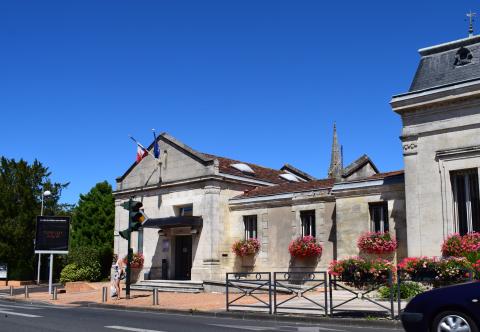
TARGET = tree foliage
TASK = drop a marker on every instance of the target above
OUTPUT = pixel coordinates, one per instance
(93, 224)
(21, 186)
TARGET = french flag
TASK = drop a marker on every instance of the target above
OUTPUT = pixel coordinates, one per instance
(141, 153)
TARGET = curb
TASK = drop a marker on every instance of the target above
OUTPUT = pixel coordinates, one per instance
(291, 318)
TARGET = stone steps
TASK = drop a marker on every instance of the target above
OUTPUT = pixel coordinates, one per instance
(178, 286)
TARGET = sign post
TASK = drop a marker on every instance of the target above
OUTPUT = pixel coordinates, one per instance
(3, 271)
(51, 237)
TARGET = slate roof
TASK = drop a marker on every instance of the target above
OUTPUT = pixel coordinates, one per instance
(261, 173)
(437, 65)
(290, 187)
(387, 175)
(357, 164)
(298, 172)
(297, 187)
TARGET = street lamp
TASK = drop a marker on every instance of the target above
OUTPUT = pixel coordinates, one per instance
(45, 193)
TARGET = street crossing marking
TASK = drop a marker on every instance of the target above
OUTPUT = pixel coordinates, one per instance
(27, 307)
(272, 328)
(13, 313)
(133, 329)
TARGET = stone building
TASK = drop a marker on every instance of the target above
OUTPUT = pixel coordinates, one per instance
(202, 203)
(441, 144)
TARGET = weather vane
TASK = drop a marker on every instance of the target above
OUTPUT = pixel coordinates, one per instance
(471, 16)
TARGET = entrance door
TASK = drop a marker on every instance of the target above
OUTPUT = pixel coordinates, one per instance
(183, 257)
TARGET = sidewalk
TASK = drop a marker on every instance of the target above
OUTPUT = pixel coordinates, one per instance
(167, 300)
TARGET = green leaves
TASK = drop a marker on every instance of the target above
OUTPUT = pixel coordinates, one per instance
(92, 225)
(21, 187)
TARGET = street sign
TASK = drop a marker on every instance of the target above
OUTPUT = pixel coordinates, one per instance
(3, 271)
(52, 234)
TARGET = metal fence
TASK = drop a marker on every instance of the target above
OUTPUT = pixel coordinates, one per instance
(361, 294)
(319, 293)
(306, 286)
(257, 285)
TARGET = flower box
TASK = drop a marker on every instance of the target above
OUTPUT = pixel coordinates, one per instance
(377, 243)
(249, 247)
(305, 246)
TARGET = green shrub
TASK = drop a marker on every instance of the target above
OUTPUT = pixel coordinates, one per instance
(87, 256)
(407, 290)
(73, 272)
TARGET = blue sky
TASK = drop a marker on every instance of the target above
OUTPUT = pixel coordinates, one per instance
(256, 80)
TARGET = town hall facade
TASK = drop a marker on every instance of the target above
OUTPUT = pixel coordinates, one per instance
(201, 203)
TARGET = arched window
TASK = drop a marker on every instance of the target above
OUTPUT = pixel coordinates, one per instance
(463, 57)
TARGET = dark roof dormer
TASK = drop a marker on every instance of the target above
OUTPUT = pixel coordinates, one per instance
(447, 64)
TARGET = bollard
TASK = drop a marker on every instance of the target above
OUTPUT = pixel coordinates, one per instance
(104, 294)
(155, 296)
(54, 294)
(11, 290)
(26, 292)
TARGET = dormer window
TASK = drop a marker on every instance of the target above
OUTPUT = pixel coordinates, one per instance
(244, 168)
(289, 177)
(463, 57)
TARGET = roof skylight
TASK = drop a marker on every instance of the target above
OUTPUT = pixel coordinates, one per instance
(289, 177)
(243, 168)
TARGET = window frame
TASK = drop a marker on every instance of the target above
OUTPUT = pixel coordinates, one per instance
(250, 226)
(384, 220)
(308, 223)
(467, 218)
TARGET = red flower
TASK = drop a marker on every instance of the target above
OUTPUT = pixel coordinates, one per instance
(377, 243)
(306, 246)
(246, 247)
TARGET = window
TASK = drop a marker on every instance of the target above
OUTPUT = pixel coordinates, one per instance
(466, 200)
(185, 211)
(463, 57)
(250, 226)
(308, 222)
(379, 216)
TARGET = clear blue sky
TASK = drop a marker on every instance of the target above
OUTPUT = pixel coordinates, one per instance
(258, 81)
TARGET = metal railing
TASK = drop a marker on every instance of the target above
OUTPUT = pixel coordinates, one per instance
(249, 284)
(300, 286)
(335, 283)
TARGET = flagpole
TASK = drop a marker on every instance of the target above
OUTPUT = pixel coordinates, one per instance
(140, 145)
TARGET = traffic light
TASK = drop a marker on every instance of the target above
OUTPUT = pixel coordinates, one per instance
(136, 217)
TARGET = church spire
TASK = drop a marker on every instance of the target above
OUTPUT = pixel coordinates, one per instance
(336, 163)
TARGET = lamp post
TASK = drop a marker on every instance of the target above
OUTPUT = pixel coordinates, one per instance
(45, 193)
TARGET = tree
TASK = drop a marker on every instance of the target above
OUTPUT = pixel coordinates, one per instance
(93, 224)
(21, 187)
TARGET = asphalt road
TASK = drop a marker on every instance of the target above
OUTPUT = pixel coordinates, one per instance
(22, 317)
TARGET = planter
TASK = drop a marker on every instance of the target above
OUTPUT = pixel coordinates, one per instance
(306, 262)
(248, 261)
(135, 274)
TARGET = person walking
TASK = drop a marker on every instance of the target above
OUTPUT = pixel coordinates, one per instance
(118, 273)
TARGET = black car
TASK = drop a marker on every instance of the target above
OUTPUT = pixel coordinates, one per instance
(452, 308)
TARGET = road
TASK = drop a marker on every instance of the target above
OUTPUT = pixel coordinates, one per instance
(22, 317)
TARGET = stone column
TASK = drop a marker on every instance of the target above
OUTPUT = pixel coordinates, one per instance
(414, 227)
(209, 243)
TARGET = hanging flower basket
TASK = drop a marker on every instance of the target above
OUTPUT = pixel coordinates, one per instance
(242, 248)
(306, 246)
(377, 243)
